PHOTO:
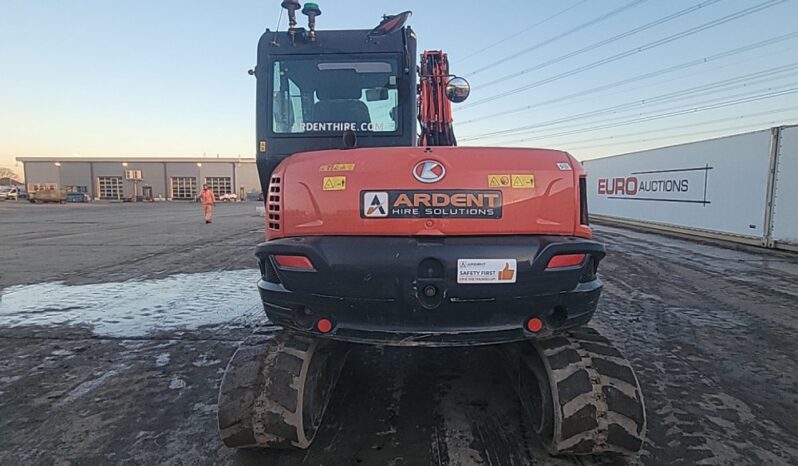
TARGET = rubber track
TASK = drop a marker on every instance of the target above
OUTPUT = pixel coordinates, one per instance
(581, 395)
(275, 390)
(596, 402)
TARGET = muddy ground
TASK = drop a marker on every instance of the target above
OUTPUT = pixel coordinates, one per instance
(120, 364)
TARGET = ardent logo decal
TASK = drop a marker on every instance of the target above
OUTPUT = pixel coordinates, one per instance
(477, 204)
(429, 171)
(375, 204)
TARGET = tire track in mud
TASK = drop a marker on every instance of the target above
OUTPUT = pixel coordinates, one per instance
(774, 271)
(713, 354)
(111, 402)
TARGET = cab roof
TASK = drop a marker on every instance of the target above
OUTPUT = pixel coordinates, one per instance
(336, 41)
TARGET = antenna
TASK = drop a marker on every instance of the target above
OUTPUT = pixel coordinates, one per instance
(311, 10)
(291, 6)
(274, 37)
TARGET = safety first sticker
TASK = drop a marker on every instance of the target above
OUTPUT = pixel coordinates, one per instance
(480, 271)
(334, 183)
(337, 167)
(512, 180)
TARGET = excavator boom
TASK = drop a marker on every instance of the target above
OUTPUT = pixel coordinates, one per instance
(434, 108)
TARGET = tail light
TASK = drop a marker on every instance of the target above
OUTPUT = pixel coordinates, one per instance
(565, 260)
(324, 325)
(583, 214)
(534, 325)
(285, 262)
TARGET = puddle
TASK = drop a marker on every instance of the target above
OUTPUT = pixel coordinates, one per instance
(136, 308)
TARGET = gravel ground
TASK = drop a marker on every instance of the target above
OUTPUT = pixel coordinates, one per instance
(117, 320)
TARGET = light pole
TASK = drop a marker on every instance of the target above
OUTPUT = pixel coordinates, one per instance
(124, 176)
(58, 164)
(199, 176)
(124, 173)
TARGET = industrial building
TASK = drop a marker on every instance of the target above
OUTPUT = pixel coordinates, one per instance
(150, 178)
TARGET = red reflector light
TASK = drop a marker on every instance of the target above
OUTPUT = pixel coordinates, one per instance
(565, 260)
(324, 325)
(534, 325)
(294, 262)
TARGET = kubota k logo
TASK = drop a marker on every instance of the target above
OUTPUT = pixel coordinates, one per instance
(429, 171)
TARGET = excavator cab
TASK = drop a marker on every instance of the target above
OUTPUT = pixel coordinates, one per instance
(311, 92)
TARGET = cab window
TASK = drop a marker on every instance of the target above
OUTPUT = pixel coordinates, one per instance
(319, 95)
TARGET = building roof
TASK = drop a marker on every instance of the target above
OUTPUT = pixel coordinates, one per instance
(6, 181)
(138, 159)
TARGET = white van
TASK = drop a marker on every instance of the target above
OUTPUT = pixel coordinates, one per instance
(11, 193)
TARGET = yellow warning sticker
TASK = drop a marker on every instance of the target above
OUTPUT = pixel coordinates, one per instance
(337, 167)
(523, 180)
(498, 181)
(334, 183)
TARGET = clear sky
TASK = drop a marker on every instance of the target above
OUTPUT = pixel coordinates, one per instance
(169, 78)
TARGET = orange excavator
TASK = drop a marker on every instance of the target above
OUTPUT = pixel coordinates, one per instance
(380, 231)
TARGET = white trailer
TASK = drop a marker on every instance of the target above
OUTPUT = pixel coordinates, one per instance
(738, 188)
(784, 230)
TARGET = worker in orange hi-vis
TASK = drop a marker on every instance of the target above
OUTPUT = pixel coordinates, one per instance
(208, 201)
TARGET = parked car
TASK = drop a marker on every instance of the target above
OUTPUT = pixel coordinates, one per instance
(48, 195)
(11, 193)
(230, 197)
(78, 197)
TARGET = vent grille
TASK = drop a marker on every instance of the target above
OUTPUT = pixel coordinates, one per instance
(273, 204)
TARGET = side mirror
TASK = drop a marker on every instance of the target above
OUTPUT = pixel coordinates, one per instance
(457, 89)
(376, 94)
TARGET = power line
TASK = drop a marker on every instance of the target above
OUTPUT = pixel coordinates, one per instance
(712, 88)
(582, 26)
(591, 142)
(709, 88)
(658, 83)
(526, 29)
(641, 77)
(671, 114)
(668, 112)
(633, 51)
(602, 43)
(568, 100)
(684, 135)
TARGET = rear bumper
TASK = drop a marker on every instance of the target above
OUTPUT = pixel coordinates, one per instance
(373, 288)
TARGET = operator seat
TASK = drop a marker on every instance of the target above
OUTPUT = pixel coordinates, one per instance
(339, 103)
